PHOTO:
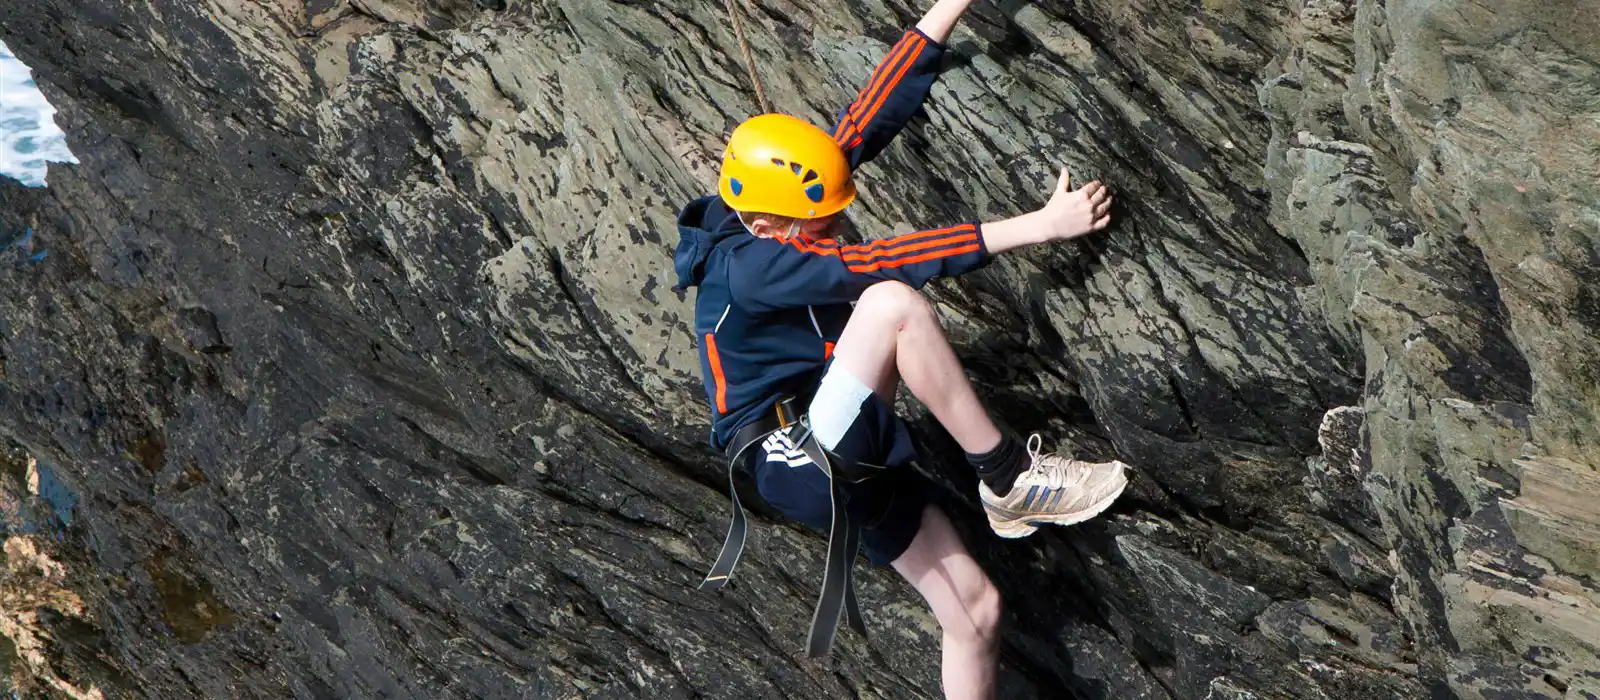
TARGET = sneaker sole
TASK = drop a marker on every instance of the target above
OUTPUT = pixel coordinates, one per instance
(1028, 524)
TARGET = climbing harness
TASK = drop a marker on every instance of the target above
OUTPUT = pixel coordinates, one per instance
(749, 58)
(844, 534)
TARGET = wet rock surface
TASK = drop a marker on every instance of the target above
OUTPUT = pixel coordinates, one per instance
(356, 352)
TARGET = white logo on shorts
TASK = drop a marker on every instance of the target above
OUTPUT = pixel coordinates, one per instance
(781, 449)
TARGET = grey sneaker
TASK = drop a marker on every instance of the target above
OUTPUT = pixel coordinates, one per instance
(1054, 490)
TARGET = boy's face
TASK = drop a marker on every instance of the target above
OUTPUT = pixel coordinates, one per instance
(809, 229)
(824, 227)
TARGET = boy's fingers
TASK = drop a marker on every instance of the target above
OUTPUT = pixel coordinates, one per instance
(1100, 192)
(1102, 207)
(1102, 222)
(1065, 181)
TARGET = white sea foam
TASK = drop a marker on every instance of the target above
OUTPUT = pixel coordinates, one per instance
(28, 134)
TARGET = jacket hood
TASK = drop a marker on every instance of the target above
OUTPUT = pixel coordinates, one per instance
(701, 226)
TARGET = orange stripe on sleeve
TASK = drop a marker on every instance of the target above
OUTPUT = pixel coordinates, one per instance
(848, 133)
(849, 127)
(954, 235)
(935, 255)
(845, 131)
(897, 241)
(883, 70)
(871, 112)
(716, 373)
(901, 250)
(809, 248)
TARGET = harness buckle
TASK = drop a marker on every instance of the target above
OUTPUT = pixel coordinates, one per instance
(785, 413)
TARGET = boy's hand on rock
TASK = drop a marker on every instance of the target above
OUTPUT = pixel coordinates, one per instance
(1068, 215)
(1073, 213)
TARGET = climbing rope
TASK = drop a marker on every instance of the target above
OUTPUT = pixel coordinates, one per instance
(749, 58)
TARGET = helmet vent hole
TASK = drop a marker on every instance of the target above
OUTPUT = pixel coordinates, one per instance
(814, 193)
(736, 186)
(810, 175)
(778, 162)
(796, 167)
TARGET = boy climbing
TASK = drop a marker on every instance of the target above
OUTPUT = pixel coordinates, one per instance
(788, 317)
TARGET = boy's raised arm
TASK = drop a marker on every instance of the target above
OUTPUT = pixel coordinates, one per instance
(899, 85)
(941, 18)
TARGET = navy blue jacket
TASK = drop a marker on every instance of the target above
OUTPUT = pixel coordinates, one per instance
(768, 311)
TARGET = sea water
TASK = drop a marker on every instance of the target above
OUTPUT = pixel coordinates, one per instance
(28, 134)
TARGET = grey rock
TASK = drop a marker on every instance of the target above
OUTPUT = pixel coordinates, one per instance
(1186, 593)
(357, 352)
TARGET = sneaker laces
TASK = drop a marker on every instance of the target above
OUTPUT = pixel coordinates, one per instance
(1054, 473)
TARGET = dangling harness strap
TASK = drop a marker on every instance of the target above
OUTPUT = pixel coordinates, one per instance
(844, 536)
(838, 583)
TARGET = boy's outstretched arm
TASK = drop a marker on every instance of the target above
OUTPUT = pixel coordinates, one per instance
(942, 17)
(899, 85)
(1068, 215)
(774, 273)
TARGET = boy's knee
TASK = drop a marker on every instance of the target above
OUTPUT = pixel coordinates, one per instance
(893, 298)
(979, 617)
(985, 608)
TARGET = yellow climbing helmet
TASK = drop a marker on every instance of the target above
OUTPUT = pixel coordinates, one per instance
(777, 164)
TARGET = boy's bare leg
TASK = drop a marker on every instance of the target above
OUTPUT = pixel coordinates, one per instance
(963, 599)
(892, 335)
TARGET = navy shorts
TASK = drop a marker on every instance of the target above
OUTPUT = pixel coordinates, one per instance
(854, 423)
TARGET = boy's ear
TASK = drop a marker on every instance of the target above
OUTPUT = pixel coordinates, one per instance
(760, 224)
(766, 226)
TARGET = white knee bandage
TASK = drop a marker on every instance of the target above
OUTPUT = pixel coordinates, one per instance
(837, 404)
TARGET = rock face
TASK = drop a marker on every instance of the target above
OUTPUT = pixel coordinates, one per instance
(355, 348)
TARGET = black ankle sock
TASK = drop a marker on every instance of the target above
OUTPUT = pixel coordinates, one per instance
(1000, 466)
